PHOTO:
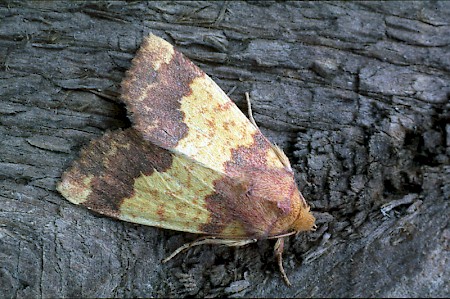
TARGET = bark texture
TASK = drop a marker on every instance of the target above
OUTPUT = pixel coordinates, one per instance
(356, 93)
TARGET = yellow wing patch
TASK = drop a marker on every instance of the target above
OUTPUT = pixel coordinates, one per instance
(164, 50)
(76, 191)
(215, 125)
(173, 199)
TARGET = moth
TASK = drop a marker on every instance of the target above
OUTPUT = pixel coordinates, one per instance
(191, 161)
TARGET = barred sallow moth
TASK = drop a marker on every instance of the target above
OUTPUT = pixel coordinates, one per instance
(190, 162)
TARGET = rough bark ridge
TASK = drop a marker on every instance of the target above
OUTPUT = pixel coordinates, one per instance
(356, 93)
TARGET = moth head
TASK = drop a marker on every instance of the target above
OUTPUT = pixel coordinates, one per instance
(301, 218)
(305, 221)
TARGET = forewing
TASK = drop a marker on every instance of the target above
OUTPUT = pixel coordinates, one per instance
(123, 176)
(177, 106)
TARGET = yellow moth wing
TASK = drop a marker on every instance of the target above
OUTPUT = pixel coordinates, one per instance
(180, 108)
(122, 176)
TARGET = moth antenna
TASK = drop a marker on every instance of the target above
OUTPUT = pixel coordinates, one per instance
(278, 151)
(250, 113)
(282, 156)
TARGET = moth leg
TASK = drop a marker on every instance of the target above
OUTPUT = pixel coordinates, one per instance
(209, 240)
(279, 246)
(250, 113)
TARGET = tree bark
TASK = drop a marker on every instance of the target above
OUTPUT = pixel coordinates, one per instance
(356, 93)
